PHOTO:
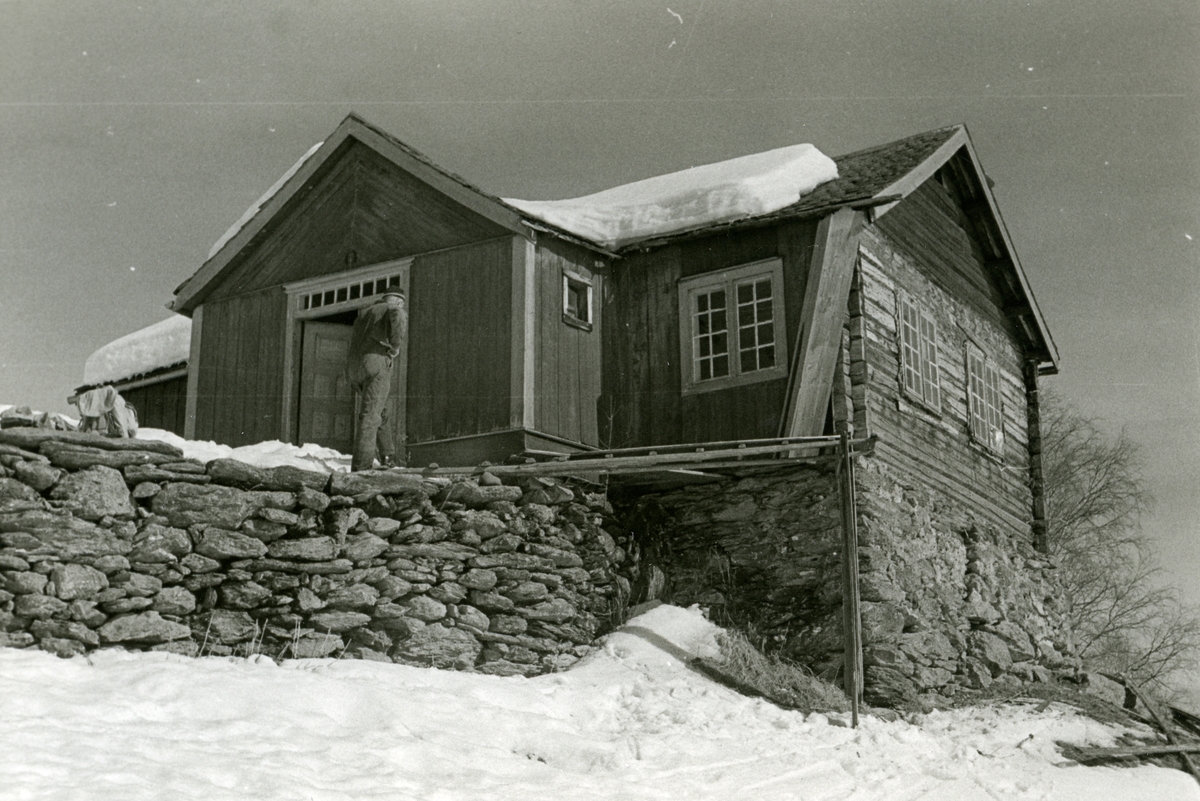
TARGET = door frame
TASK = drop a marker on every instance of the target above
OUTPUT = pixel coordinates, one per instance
(300, 308)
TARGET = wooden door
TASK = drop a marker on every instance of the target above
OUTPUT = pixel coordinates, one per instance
(328, 410)
(326, 396)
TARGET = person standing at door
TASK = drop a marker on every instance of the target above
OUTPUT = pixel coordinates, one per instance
(380, 334)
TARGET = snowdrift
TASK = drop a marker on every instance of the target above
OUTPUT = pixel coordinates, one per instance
(632, 721)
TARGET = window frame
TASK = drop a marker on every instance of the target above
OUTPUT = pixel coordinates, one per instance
(985, 420)
(928, 371)
(571, 278)
(729, 279)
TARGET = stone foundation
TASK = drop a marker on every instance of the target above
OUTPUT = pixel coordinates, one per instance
(123, 543)
(948, 602)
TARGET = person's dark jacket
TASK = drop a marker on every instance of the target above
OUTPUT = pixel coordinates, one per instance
(379, 328)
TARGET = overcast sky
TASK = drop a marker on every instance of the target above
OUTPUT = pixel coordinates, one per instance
(132, 134)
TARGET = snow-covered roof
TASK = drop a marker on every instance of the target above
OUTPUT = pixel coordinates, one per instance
(258, 204)
(739, 188)
(152, 348)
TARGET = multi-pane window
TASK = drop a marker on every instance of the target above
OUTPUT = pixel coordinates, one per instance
(983, 398)
(756, 324)
(919, 354)
(710, 337)
(349, 292)
(731, 326)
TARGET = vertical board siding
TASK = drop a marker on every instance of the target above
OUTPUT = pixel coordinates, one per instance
(241, 368)
(459, 331)
(162, 405)
(642, 374)
(360, 203)
(937, 445)
(566, 358)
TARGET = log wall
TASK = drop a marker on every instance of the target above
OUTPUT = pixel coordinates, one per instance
(937, 446)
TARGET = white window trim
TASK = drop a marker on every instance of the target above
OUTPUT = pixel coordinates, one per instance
(299, 291)
(586, 322)
(928, 370)
(981, 414)
(689, 287)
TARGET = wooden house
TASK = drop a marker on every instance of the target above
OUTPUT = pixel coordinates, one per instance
(889, 300)
(149, 369)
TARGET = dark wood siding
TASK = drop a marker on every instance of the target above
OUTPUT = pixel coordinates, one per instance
(360, 209)
(642, 402)
(931, 227)
(240, 379)
(459, 331)
(162, 405)
(566, 359)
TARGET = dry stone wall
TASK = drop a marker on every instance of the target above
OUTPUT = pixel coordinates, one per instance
(950, 601)
(124, 543)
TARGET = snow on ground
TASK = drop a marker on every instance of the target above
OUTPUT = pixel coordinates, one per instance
(630, 722)
(160, 345)
(743, 187)
(263, 454)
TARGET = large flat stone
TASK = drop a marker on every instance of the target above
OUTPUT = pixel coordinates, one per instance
(95, 492)
(78, 457)
(233, 473)
(73, 581)
(440, 647)
(64, 535)
(223, 507)
(309, 549)
(380, 482)
(218, 543)
(32, 439)
(146, 628)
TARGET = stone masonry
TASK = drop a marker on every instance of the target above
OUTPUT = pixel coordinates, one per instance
(949, 602)
(124, 543)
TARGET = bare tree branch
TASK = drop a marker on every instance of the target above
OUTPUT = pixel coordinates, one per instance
(1125, 619)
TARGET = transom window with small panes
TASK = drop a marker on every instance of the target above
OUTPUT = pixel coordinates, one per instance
(919, 369)
(983, 399)
(734, 326)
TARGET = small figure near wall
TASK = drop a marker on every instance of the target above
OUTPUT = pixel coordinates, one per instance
(103, 410)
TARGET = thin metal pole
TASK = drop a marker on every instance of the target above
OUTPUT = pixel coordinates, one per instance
(851, 619)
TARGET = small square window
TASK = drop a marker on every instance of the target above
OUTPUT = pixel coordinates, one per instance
(577, 301)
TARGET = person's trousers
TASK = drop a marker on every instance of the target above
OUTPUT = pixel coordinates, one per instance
(372, 378)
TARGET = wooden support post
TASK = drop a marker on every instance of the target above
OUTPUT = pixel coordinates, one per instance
(819, 335)
(1037, 481)
(851, 618)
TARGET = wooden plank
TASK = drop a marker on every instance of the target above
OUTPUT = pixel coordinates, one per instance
(1119, 751)
(590, 363)
(523, 328)
(825, 298)
(851, 614)
(193, 377)
(662, 319)
(1149, 703)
